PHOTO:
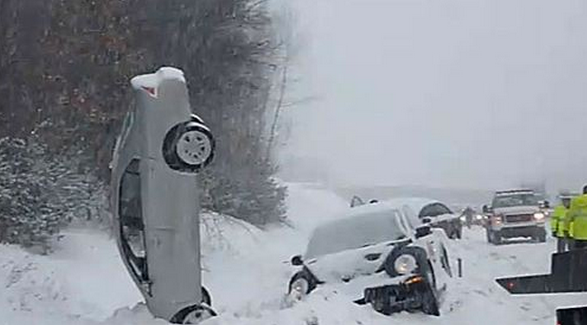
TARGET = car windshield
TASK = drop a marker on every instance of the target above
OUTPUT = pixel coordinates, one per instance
(356, 232)
(514, 200)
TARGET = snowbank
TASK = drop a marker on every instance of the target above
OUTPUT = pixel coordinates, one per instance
(247, 272)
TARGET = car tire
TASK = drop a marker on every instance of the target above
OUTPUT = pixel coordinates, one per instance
(429, 299)
(188, 147)
(194, 314)
(312, 282)
(494, 237)
(540, 235)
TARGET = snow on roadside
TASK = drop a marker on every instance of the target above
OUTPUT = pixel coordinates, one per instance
(84, 280)
(247, 272)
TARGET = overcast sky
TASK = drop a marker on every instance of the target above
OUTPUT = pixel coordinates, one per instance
(471, 93)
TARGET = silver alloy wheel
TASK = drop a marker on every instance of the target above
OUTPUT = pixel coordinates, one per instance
(194, 147)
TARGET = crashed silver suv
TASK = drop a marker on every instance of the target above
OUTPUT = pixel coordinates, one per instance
(515, 213)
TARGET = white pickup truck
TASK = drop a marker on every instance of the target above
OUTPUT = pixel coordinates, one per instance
(515, 213)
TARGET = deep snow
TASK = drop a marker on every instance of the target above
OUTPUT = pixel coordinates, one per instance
(247, 271)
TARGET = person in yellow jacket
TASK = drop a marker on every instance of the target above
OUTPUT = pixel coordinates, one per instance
(559, 224)
(577, 220)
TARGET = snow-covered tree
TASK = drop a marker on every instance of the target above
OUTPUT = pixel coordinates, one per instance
(40, 193)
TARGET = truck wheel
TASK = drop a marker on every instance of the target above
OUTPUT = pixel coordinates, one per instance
(540, 235)
(188, 147)
(193, 315)
(495, 237)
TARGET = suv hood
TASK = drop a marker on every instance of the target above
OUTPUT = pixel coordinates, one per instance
(347, 265)
(517, 210)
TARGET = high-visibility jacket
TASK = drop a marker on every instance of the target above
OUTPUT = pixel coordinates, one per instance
(578, 217)
(558, 223)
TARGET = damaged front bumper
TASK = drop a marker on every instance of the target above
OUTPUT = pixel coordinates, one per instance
(392, 298)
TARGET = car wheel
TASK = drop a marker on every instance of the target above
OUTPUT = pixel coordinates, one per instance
(193, 315)
(300, 285)
(495, 237)
(540, 235)
(188, 147)
(429, 300)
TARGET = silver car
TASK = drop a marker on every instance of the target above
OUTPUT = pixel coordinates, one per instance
(154, 196)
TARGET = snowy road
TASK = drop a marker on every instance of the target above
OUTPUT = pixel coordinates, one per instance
(247, 274)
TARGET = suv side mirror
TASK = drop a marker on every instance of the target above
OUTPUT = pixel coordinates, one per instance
(487, 209)
(297, 260)
(422, 231)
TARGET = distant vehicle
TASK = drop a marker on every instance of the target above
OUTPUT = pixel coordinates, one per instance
(478, 219)
(154, 197)
(515, 213)
(434, 213)
(374, 254)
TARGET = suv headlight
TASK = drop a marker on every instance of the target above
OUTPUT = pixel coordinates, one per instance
(405, 264)
(539, 216)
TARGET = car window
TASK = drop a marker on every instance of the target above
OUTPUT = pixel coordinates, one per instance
(411, 216)
(434, 210)
(403, 221)
(132, 232)
(507, 201)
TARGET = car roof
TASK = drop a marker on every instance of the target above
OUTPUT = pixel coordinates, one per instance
(360, 214)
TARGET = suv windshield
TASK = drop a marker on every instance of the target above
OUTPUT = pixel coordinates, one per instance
(356, 232)
(522, 199)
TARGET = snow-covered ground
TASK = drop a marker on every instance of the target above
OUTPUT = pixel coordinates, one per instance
(246, 271)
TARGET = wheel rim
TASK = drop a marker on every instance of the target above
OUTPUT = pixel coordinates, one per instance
(194, 147)
(198, 315)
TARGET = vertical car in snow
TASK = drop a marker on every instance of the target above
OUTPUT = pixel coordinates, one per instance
(376, 255)
(154, 196)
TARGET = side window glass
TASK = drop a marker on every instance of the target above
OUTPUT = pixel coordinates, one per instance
(132, 228)
(410, 216)
(402, 221)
